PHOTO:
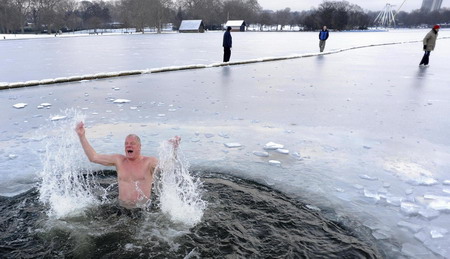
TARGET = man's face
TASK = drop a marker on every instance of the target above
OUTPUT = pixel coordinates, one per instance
(132, 147)
(324, 27)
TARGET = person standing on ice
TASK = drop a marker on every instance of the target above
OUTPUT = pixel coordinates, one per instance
(134, 171)
(429, 42)
(323, 36)
(227, 44)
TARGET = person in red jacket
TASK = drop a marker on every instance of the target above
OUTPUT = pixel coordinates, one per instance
(429, 42)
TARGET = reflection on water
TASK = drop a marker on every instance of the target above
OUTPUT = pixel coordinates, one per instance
(243, 219)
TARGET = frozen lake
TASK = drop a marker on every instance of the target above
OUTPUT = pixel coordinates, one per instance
(364, 131)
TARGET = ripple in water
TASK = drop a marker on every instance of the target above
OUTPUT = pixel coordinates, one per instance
(243, 219)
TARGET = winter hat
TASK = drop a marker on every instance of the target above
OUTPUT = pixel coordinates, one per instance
(436, 27)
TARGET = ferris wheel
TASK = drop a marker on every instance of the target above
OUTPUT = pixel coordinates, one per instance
(386, 18)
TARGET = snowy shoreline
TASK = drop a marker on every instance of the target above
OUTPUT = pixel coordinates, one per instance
(4, 85)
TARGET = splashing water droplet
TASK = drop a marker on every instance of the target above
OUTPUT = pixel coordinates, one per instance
(66, 187)
(179, 192)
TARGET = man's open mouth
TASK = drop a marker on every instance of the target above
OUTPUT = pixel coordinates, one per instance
(129, 151)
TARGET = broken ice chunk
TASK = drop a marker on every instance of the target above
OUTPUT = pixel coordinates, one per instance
(422, 236)
(223, 135)
(121, 101)
(371, 194)
(12, 156)
(415, 251)
(381, 234)
(394, 201)
(296, 155)
(20, 105)
(274, 162)
(272, 146)
(312, 207)
(446, 182)
(260, 153)
(438, 232)
(426, 181)
(429, 213)
(367, 177)
(413, 227)
(440, 205)
(282, 151)
(58, 117)
(232, 145)
(436, 197)
(43, 105)
(409, 208)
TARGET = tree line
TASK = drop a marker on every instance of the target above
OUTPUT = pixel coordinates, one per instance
(22, 16)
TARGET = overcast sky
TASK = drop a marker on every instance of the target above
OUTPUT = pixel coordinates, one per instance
(372, 5)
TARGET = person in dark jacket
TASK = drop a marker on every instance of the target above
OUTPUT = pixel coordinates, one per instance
(227, 44)
(429, 42)
(323, 36)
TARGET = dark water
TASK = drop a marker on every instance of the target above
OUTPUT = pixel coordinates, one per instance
(243, 220)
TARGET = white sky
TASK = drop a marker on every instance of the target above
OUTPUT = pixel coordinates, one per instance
(372, 5)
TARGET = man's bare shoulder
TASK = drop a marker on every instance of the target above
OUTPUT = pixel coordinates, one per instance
(119, 157)
(150, 159)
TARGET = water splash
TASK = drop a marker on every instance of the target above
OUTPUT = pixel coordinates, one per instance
(66, 180)
(179, 192)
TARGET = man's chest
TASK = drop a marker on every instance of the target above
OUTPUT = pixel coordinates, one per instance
(134, 172)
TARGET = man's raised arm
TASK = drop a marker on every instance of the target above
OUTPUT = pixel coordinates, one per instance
(106, 160)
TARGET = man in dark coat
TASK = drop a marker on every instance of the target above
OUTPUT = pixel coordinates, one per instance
(227, 44)
(429, 42)
(323, 36)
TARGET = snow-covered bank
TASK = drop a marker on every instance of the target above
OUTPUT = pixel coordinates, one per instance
(187, 67)
(59, 57)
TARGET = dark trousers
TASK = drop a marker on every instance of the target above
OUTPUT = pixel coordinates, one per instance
(426, 58)
(322, 45)
(226, 54)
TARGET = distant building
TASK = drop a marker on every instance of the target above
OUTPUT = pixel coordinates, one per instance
(192, 26)
(431, 5)
(236, 25)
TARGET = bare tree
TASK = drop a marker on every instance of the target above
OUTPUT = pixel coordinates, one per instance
(210, 11)
(266, 18)
(241, 10)
(283, 17)
(22, 8)
(71, 18)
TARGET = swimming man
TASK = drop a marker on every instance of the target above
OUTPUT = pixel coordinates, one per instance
(134, 171)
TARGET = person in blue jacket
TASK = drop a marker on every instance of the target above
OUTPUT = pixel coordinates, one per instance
(323, 36)
(227, 44)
